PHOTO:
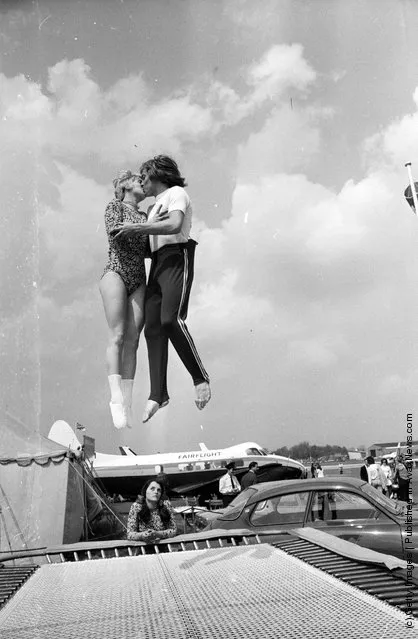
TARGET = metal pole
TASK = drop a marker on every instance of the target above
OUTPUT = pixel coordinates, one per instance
(412, 184)
(83, 476)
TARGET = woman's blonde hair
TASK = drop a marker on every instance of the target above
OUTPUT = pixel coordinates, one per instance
(119, 182)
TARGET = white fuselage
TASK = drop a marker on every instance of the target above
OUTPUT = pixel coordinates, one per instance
(185, 461)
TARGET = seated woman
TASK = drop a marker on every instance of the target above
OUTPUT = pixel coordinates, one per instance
(151, 517)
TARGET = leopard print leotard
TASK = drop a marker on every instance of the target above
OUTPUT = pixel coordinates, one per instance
(126, 256)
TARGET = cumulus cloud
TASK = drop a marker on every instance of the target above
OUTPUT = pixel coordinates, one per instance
(281, 68)
(397, 143)
(75, 117)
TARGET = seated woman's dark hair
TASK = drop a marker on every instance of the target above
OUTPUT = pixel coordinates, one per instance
(145, 514)
(164, 169)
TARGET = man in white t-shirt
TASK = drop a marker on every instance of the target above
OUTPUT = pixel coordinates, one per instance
(375, 474)
(169, 282)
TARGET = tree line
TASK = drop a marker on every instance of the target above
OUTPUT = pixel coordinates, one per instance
(305, 450)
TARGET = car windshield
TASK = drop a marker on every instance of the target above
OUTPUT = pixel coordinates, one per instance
(236, 506)
(381, 499)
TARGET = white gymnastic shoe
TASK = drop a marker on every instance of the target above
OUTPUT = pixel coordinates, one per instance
(119, 415)
(129, 416)
(127, 387)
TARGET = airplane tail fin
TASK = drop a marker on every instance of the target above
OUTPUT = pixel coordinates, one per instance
(125, 450)
(203, 447)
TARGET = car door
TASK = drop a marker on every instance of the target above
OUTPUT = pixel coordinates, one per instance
(280, 512)
(352, 517)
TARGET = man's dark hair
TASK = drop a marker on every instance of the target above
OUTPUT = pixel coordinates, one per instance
(252, 465)
(370, 459)
(164, 169)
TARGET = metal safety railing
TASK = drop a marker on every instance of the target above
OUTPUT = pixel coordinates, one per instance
(122, 548)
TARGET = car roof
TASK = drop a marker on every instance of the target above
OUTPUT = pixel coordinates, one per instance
(268, 489)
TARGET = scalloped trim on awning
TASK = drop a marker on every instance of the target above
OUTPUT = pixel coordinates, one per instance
(27, 460)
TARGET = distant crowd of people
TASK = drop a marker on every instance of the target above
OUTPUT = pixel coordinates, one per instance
(390, 476)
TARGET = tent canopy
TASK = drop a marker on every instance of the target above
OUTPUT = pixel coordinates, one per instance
(44, 494)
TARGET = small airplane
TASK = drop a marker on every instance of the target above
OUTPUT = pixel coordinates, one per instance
(190, 472)
(395, 453)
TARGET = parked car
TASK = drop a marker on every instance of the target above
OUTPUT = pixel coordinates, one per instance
(346, 507)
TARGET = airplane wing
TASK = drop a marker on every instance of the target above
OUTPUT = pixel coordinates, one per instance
(186, 488)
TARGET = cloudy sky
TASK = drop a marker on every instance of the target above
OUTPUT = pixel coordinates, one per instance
(292, 121)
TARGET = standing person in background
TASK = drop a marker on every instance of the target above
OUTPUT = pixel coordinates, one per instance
(387, 471)
(170, 281)
(375, 474)
(363, 472)
(403, 479)
(319, 472)
(229, 486)
(395, 486)
(250, 477)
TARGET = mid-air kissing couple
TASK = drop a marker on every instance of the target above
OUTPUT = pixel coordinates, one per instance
(160, 304)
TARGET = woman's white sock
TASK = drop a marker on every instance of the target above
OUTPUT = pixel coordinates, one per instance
(116, 395)
(127, 388)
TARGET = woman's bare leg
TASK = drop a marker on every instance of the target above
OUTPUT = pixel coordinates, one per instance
(114, 298)
(113, 292)
(134, 326)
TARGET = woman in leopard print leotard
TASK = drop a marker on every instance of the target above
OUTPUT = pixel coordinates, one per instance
(126, 256)
(122, 288)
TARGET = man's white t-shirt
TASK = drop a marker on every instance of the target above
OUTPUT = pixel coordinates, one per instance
(375, 474)
(173, 199)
